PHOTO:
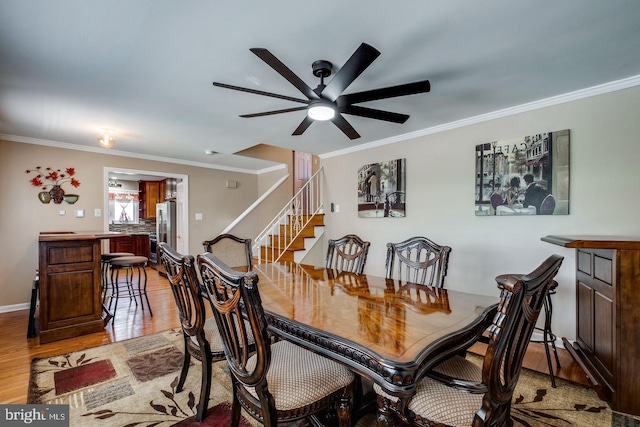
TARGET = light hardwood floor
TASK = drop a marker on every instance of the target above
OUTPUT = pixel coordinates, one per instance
(16, 351)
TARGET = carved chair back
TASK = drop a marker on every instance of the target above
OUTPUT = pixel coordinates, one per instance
(238, 310)
(231, 250)
(522, 298)
(198, 337)
(496, 200)
(237, 307)
(348, 253)
(184, 284)
(548, 205)
(417, 260)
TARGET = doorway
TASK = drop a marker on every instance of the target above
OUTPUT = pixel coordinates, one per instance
(182, 194)
(302, 174)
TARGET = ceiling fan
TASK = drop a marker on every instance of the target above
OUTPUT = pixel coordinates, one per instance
(326, 102)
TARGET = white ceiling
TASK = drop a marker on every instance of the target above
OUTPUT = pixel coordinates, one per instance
(145, 68)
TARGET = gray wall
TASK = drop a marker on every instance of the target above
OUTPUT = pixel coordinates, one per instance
(604, 195)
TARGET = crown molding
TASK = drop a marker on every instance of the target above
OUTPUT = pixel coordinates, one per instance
(67, 146)
(535, 105)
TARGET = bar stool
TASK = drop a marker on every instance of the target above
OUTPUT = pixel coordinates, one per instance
(105, 270)
(130, 264)
(548, 337)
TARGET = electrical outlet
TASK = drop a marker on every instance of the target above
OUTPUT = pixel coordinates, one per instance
(337, 208)
(198, 217)
(61, 213)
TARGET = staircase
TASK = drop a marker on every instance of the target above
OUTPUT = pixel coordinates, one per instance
(296, 228)
(284, 247)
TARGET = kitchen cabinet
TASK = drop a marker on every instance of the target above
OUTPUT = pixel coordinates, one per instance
(137, 244)
(170, 188)
(149, 195)
(607, 340)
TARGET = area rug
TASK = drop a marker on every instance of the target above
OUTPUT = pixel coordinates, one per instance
(132, 383)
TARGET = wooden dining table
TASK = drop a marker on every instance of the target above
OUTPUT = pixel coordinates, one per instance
(384, 330)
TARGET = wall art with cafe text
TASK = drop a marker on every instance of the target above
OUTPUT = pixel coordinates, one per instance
(523, 176)
(381, 190)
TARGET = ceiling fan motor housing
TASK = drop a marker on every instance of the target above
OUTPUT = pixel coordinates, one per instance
(322, 68)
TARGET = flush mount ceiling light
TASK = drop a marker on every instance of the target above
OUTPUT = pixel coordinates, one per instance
(321, 110)
(106, 138)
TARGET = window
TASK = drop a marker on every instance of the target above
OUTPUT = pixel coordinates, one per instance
(123, 206)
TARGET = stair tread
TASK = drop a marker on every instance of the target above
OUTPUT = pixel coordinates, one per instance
(298, 243)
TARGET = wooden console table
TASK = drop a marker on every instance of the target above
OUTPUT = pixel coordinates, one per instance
(70, 284)
(607, 344)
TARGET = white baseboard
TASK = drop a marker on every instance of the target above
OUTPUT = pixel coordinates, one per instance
(14, 307)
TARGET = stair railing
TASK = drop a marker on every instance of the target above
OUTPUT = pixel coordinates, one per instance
(285, 227)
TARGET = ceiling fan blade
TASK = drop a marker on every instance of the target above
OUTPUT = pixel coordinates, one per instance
(259, 92)
(269, 113)
(284, 71)
(345, 127)
(386, 92)
(355, 65)
(303, 126)
(371, 113)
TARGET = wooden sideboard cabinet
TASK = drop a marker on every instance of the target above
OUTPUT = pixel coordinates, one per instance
(607, 343)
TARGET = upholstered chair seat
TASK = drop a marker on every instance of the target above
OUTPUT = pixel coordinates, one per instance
(298, 377)
(443, 404)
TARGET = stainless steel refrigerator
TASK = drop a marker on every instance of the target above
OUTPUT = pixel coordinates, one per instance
(166, 225)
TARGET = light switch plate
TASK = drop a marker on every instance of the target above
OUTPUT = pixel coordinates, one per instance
(79, 213)
(198, 217)
(97, 212)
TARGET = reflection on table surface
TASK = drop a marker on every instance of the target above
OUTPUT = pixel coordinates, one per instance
(515, 210)
(394, 320)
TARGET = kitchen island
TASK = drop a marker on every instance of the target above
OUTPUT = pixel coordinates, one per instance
(70, 283)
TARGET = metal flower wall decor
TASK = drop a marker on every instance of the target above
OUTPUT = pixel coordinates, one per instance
(50, 182)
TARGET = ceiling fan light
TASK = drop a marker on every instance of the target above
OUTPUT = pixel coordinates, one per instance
(106, 140)
(321, 111)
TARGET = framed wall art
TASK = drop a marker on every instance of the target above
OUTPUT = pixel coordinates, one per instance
(381, 190)
(523, 176)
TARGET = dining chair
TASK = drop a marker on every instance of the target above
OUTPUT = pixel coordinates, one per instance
(548, 205)
(280, 381)
(349, 253)
(201, 337)
(417, 260)
(232, 250)
(456, 392)
(496, 200)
